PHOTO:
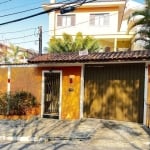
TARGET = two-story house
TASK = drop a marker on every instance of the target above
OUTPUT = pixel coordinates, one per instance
(100, 19)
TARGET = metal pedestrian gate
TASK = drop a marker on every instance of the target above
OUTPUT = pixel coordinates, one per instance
(51, 94)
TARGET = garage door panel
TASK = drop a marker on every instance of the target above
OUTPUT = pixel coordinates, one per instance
(114, 92)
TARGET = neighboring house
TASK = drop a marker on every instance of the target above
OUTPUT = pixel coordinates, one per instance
(112, 85)
(132, 6)
(101, 19)
(8, 52)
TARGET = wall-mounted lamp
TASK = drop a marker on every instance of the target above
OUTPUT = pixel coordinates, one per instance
(71, 77)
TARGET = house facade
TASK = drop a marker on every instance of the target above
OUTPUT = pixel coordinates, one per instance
(108, 85)
(100, 19)
(112, 85)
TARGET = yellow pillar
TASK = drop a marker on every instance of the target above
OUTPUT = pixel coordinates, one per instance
(115, 44)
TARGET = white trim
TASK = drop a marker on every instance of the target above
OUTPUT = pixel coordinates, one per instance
(145, 93)
(82, 92)
(72, 64)
(60, 95)
(60, 92)
(76, 64)
(42, 65)
(8, 78)
(42, 94)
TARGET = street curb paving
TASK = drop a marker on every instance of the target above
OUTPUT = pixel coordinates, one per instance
(19, 139)
(40, 139)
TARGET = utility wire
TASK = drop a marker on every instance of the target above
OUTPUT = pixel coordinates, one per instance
(5, 2)
(19, 37)
(10, 32)
(37, 14)
(20, 12)
(19, 6)
(55, 29)
(48, 30)
(31, 16)
(26, 42)
(10, 14)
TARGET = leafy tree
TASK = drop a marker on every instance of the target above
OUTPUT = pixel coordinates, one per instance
(14, 52)
(68, 44)
(143, 33)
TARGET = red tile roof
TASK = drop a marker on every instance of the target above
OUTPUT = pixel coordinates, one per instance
(92, 57)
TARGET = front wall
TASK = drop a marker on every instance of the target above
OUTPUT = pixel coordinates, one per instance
(27, 79)
(71, 99)
(3, 80)
(30, 79)
(114, 92)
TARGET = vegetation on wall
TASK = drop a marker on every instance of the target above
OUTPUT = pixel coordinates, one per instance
(17, 103)
(69, 44)
(141, 25)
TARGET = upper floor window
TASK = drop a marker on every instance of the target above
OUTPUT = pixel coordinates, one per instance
(65, 20)
(101, 19)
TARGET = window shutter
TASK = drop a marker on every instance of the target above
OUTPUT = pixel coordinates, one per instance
(59, 20)
(92, 19)
(72, 20)
(106, 19)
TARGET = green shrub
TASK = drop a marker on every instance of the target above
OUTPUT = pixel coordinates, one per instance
(3, 104)
(16, 103)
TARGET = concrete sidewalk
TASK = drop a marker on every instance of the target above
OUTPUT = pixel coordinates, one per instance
(91, 132)
(39, 129)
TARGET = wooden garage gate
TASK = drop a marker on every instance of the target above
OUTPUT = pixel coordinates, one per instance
(114, 92)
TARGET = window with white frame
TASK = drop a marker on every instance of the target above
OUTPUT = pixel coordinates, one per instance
(66, 20)
(101, 19)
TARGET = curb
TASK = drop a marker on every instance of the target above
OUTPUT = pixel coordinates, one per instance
(39, 139)
(19, 139)
(146, 129)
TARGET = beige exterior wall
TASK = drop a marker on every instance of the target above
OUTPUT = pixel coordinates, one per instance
(109, 36)
(82, 24)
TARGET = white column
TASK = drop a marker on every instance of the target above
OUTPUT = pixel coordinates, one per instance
(52, 22)
(145, 94)
(115, 44)
(82, 91)
(8, 87)
(8, 80)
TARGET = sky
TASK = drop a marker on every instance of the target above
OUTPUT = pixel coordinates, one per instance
(23, 33)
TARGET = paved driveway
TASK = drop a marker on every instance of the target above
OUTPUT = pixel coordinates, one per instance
(85, 134)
